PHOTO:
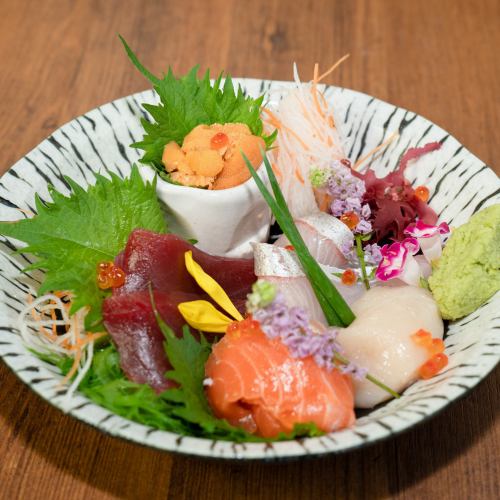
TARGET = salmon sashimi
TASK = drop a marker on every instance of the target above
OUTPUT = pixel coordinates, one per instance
(254, 383)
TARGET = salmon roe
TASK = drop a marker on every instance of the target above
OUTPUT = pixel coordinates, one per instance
(349, 277)
(350, 219)
(422, 338)
(291, 248)
(219, 140)
(435, 348)
(247, 325)
(422, 193)
(109, 275)
(433, 366)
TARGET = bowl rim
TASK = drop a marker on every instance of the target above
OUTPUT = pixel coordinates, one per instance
(237, 451)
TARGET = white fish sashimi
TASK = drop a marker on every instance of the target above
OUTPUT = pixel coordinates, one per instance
(324, 236)
(298, 292)
(281, 266)
(379, 339)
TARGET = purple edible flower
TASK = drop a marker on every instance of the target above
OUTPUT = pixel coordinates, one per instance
(347, 193)
(291, 325)
(373, 254)
(348, 251)
(343, 185)
(363, 227)
(355, 371)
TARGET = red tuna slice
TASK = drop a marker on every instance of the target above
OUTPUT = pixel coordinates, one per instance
(130, 321)
(159, 259)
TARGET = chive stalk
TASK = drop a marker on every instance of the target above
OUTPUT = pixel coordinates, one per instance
(336, 310)
(361, 258)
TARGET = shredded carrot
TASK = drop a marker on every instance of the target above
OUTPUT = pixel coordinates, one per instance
(323, 100)
(314, 91)
(315, 73)
(276, 123)
(74, 367)
(274, 119)
(299, 176)
(292, 132)
(277, 170)
(335, 66)
(38, 318)
(393, 136)
(312, 122)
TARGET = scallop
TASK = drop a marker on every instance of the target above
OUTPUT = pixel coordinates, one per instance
(379, 339)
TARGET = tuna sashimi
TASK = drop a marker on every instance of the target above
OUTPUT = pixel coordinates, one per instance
(159, 259)
(130, 321)
(128, 316)
(254, 383)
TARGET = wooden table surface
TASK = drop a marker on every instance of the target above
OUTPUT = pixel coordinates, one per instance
(62, 58)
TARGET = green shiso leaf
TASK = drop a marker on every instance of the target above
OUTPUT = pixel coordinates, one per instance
(189, 101)
(188, 357)
(72, 234)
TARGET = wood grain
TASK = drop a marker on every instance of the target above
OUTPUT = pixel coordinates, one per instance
(62, 58)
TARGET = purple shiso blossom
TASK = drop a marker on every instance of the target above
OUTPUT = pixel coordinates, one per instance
(347, 192)
(356, 371)
(348, 251)
(373, 254)
(291, 326)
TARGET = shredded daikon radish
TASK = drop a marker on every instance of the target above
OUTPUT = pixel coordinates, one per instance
(47, 327)
(307, 138)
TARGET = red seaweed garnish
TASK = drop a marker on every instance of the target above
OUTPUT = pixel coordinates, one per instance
(392, 199)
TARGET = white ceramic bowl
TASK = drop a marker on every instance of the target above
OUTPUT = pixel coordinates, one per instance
(460, 185)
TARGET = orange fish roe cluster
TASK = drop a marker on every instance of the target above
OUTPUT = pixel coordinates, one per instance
(248, 325)
(290, 248)
(350, 219)
(349, 277)
(435, 348)
(219, 140)
(109, 275)
(422, 193)
(433, 366)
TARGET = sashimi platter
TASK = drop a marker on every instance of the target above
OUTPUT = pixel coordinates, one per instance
(250, 269)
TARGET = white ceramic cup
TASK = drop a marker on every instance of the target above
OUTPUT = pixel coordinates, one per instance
(224, 222)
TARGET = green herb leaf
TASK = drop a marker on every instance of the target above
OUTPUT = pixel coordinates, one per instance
(106, 385)
(71, 235)
(187, 102)
(188, 357)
